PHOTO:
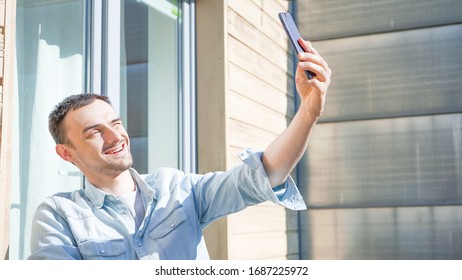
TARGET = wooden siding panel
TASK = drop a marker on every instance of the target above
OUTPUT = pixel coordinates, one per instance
(270, 217)
(262, 246)
(248, 59)
(242, 135)
(253, 38)
(248, 10)
(247, 85)
(256, 2)
(272, 8)
(260, 103)
(247, 111)
(265, 23)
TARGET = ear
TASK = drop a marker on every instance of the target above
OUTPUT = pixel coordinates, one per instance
(63, 151)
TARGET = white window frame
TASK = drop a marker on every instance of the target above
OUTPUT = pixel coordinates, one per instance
(102, 67)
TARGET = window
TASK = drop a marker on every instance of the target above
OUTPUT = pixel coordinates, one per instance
(149, 81)
(139, 53)
(147, 67)
(50, 61)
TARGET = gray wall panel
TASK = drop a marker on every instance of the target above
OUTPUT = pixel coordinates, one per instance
(383, 233)
(403, 161)
(320, 20)
(395, 74)
(383, 173)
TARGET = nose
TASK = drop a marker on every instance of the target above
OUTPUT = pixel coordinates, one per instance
(112, 136)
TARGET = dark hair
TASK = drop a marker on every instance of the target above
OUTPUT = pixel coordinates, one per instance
(73, 102)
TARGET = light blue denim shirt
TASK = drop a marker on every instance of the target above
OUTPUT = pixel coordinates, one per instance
(91, 224)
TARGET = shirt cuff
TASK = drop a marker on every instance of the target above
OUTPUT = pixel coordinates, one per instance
(286, 194)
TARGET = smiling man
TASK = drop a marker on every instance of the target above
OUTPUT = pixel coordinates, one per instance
(123, 215)
(93, 139)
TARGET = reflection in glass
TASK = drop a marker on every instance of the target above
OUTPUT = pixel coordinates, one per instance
(149, 82)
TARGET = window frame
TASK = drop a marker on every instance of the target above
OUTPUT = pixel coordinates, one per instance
(102, 75)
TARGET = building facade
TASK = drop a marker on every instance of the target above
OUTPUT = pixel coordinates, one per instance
(383, 175)
(198, 81)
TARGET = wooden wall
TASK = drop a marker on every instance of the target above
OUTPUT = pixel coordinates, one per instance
(7, 39)
(245, 99)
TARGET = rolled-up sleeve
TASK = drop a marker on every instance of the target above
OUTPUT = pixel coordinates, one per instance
(286, 194)
(221, 193)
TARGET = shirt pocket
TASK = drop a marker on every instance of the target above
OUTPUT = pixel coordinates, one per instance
(173, 221)
(102, 249)
(175, 236)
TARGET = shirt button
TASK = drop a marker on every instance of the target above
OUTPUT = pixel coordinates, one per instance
(102, 252)
(123, 212)
(139, 244)
(172, 225)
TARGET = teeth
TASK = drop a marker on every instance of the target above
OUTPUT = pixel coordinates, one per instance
(116, 151)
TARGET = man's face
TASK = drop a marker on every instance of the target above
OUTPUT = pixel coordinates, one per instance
(97, 141)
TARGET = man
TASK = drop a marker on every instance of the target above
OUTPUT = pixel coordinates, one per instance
(122, 215)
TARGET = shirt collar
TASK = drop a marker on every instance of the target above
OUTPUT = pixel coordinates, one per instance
(97, 196)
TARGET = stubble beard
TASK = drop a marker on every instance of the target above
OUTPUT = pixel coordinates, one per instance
(111, 167)
(118, 167)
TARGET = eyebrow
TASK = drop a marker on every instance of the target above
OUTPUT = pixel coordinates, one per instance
(90, 127)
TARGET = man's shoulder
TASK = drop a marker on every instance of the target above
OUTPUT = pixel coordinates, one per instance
(68, 195)
(65, 195)
(166, 180)
(67, 204)
(60, 198)
(162, 173)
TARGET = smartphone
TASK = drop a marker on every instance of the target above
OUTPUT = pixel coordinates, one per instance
(293, 34)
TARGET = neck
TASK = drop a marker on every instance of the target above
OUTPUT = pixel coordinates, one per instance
(116, 185)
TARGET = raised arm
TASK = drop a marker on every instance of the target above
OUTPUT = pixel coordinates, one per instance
(285, 151)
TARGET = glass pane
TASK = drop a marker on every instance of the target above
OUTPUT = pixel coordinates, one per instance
(49, 49)
(149, 82)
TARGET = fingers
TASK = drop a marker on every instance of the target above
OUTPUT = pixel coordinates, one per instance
(311, 60)
(315, 64)
(306, 45)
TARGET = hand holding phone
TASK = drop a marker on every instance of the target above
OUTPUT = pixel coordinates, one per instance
(293, 34)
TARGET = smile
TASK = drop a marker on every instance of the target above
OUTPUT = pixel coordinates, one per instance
(116, 150)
